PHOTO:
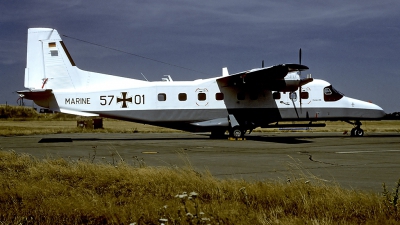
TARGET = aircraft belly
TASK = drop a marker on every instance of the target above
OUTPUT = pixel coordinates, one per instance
(243, 115)
(330, 113)
(167, 115)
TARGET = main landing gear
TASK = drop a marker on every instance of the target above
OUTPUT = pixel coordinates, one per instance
(356, 131)
(237, 132)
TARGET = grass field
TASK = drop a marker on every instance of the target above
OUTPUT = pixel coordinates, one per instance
(60, 191)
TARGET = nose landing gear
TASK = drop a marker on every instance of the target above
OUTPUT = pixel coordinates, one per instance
(357, 131)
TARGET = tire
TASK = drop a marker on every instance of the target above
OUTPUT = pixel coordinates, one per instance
(237, 132)
(359, 132)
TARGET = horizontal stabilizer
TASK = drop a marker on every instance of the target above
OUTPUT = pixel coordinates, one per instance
(73, 112)
(35, 94)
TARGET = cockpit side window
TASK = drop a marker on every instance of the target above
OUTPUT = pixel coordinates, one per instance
(331, 94)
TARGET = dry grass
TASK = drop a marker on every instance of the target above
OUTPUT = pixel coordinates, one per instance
(60, 191)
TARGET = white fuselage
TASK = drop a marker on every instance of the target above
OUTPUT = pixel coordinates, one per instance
(200, 100)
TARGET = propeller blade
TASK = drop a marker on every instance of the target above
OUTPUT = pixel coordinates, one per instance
(295, 109)
(300, 56)
(300, 60)
(300, 84)
(301, 108)
(262, 64)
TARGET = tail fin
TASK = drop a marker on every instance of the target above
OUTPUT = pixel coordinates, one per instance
(49, 65)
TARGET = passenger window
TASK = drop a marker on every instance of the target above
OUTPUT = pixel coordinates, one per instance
(162, 97)
(276, 95)
(202, 96)
(304, 95)
(241, 96)
(182, 97)
(219, 96)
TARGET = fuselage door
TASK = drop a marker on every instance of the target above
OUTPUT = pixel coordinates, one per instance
(202, 96)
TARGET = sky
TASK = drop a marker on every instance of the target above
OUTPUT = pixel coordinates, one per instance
(354, 45)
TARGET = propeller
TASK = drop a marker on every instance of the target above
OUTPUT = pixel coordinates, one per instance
(294, 92)
(295, 109)
(300, 83)
(300, 59)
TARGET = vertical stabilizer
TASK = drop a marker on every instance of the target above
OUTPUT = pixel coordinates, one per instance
(49, 65)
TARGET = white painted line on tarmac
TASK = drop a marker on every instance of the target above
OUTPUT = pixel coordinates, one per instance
(356, 152)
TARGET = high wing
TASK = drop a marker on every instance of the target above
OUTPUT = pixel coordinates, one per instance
(272, 78)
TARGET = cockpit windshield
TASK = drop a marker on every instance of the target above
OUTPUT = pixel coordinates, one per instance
(331, 94)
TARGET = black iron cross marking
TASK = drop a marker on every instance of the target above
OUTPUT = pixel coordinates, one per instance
(124, 99)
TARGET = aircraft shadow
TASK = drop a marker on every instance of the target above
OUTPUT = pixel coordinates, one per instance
(301, 139)
(57, 140)
(282, 140)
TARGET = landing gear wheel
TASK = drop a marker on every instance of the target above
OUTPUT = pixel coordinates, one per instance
(359, 132)
(356, 131)
(236, 132)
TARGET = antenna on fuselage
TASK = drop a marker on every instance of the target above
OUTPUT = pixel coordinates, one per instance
(144, 76)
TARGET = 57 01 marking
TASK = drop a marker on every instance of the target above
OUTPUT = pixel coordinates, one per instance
(108, 99)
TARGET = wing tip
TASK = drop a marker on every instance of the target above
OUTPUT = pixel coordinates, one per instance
(296, 67)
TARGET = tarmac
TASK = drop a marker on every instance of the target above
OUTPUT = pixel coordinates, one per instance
(360, 163)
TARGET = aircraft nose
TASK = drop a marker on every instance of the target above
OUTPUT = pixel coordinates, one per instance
(366, 110)
(377, 112)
